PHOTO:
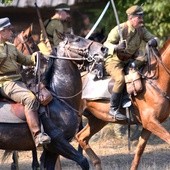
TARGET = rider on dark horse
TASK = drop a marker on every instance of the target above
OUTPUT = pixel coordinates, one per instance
(122, 52)
(10, 81)
(60, 22)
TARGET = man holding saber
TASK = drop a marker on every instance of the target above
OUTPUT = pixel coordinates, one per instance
(123, 43)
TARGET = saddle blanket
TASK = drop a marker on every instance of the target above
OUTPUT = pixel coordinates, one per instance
(7, 112)
(94, 90)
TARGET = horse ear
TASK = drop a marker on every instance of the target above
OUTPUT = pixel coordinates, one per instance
(60, 35)
(28, 31)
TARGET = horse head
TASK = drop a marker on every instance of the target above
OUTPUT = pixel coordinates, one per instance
(80, 50)
(25, 42)
(72, 52)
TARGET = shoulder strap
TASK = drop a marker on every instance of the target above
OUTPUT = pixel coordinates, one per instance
(47, 22)
(45, 25)
(3, 61)
(125, 31)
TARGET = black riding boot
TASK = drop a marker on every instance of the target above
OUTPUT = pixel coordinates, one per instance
(114, 107)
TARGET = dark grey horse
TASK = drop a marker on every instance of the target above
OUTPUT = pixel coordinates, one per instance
(64, 81)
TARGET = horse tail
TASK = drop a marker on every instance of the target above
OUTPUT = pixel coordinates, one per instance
(6, 154)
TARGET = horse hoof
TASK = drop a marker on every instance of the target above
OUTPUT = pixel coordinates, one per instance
(98, 167)
(13, 166)
(85, 164)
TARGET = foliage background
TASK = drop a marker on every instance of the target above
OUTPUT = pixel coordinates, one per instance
(156, 15)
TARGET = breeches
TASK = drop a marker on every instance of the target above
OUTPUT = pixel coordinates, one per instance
(18, 92)
(115, 70)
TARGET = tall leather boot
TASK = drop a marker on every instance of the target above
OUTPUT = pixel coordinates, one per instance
(114, 107)
(34, 126)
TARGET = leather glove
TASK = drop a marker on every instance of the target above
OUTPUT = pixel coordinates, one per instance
(121, 46)
(152, 42)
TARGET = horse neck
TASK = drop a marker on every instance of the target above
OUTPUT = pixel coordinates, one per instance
(164, 70)
(21, 47)
(165, 53)
(165, 47)
(66, 81)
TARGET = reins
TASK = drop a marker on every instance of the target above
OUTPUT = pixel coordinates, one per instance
(83, 52)
(160, 61)
(150, 81)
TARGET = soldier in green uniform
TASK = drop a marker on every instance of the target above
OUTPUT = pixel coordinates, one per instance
(120, 53)
(11, 85)
(61, 21)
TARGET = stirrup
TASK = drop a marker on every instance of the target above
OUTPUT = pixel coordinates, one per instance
(117, 115)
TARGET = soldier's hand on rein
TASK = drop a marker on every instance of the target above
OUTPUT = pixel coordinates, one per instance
(153, 43)
(121, 46)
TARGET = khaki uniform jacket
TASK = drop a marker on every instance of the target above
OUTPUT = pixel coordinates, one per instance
(53, 25)
(10, 69)
(132, 36)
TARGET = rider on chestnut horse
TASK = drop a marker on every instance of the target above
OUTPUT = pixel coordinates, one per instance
(10, 81)
(121, 53)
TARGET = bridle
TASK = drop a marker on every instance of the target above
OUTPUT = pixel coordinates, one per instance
(24, 44)
(70, 50)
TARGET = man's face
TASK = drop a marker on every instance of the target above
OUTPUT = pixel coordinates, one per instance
(65, 16)
(137, 21)
(6, 34)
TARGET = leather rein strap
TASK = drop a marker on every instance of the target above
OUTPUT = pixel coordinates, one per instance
(150, 81)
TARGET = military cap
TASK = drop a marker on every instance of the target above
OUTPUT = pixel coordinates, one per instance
(134, 10)
(62, 6)
(4, 22)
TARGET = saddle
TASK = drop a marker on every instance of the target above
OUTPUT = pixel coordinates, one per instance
(98, 85)
(12, 112)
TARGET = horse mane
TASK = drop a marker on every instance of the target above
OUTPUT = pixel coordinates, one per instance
(167, 43)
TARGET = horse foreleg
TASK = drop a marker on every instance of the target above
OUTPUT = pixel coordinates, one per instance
(60, 145)
(48, 160)
(157, 129)
(58, 164)
(145, 134)
(14, 165)
(35, 163)
(80, 149)
(93, 126)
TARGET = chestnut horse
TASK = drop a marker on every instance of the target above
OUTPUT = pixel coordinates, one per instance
(24, 41)
(151, 108)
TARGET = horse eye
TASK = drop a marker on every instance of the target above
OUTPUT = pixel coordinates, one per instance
(77, 40)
